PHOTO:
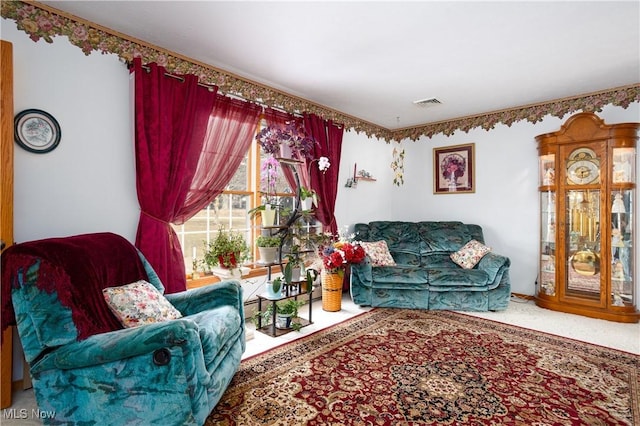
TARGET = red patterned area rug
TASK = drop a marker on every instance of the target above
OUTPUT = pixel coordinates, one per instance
(407, 367)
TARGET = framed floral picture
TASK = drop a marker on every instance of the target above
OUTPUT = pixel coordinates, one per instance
(454, 169)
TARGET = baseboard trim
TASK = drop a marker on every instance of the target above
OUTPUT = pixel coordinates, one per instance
(523, 296)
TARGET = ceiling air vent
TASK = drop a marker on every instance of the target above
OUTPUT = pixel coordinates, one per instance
(429, 102)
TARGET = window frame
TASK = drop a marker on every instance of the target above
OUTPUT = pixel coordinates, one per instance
(254, 196)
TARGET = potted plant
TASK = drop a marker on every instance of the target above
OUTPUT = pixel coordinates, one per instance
(286, 314)
(274, 288)
(268, 247)
(308, 198)
(228, 249)
(293, 268)
(269, 171)
(310, 277)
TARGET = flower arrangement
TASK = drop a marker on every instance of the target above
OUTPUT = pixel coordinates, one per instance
(337, 255)
(291, 134)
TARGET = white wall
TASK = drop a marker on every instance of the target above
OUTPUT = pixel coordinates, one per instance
(505, 202)
(87, 184)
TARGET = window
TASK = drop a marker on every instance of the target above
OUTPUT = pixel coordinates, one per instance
(230, 209)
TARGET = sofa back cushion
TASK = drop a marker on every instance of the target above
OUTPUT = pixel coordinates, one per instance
(396, 234)
(402, 239)
(437, 259)
(361, 231)
(475, 231)
(411, 243)
(444, 236)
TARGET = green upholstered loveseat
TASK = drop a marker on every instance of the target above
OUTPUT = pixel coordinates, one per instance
(424, 276)
(89, 370)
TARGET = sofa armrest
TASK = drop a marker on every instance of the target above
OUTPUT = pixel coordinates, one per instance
(492, 264)
(119, 345)
(362, 272)
(225, 293)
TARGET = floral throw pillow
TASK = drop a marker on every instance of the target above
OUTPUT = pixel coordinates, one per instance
(139, 303)
(379, 253)
(469, 255)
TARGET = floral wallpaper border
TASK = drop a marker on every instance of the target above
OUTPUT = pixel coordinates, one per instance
(42, 22)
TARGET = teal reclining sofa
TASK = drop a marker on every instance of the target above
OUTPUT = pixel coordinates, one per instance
(86, 368)
(424, 276)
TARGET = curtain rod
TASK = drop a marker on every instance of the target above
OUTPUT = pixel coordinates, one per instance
(229, 95)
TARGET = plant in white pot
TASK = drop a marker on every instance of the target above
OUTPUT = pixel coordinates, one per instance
(286, 314)
(308, 198)
(268, 246)
(293, 268)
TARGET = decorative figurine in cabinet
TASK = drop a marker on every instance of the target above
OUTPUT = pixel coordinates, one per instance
(587, 185)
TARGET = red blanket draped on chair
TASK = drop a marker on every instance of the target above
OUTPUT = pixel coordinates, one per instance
(77, 268)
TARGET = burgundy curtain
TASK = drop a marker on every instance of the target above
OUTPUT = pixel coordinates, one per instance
(189, 143)
(329, 138)
(230, 133)
(171, 118)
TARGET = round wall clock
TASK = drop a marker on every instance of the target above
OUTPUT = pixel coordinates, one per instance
(37, 131)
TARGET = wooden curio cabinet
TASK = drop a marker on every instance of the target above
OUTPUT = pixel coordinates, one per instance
(587, 184)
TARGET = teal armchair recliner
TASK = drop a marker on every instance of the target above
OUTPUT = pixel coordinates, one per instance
(87, 369)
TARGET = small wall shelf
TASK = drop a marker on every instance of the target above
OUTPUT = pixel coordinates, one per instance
(361, 175)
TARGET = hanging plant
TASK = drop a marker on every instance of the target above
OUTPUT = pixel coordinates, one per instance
(291, 134)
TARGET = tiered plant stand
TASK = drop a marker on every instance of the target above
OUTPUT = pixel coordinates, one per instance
(292, 291)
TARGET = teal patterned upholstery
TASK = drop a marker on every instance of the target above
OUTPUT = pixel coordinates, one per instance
(425, 277)
(167, 373)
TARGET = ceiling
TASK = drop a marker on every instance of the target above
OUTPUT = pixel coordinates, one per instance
(373, 59)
